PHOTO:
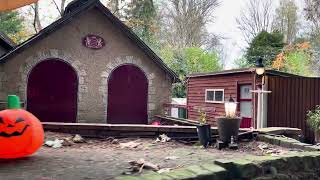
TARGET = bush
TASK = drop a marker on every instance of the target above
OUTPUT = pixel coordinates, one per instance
(313, 119)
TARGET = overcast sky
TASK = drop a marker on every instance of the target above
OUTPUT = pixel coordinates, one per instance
(225, 25)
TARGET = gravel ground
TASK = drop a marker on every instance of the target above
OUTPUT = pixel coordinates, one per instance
(105, 159)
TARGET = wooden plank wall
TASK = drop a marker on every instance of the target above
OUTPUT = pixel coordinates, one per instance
(290, 100)
(196, 93)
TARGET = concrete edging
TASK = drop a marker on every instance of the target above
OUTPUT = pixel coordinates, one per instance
(287, 142)
(304, 165)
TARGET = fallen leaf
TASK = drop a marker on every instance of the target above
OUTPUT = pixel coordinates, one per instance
(164, 170)
(78, 139)
(164, 138)
(171, 158)
(142, 164)
(263, 146)
(54, 144)
(131, 144)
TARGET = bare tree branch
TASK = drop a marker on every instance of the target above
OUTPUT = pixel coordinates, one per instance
(286, 20)
(184, 23)
(60, 8)
(312, 12)
(255, 18)
(36, 21)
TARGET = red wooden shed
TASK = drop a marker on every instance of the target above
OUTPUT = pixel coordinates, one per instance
(286, 105)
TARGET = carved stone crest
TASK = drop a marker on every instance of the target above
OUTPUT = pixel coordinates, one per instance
(93, 41)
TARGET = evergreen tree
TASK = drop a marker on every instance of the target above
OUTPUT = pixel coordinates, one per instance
(10, 23)
(141, 17)
(265, 45)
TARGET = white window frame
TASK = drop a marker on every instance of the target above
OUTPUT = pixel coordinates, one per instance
(214, 95)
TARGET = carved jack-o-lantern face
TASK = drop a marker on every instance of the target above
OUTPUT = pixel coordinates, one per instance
(10, 129)
(21, 133)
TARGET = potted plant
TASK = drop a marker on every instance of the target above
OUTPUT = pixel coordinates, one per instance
(313, 120)
(229, 125)
(203, 129)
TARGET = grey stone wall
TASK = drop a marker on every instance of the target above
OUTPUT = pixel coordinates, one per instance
(119, 61)
(93, 67)
(3, 80)
(32, 61)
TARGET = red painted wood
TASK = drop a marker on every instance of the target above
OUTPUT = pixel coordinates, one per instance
(290, 100)
(127, 96)
(52, 92)
(196, 93)
(245, 123)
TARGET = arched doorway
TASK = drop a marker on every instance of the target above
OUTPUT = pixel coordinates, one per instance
(127, 96)
(52, 91)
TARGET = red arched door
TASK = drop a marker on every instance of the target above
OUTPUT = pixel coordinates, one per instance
(127, 96)
(52, 91)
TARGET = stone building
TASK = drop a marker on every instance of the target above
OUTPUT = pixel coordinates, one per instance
(87, 67)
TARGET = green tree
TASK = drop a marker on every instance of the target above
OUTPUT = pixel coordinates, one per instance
(10, 23)
(266, 45)
(298, 62)
(141, 17)
(188, 61)
(295, 59)
(242, 63)
(191, 60)
(199, 60)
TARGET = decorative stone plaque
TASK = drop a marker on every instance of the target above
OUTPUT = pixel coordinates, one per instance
(93, 41)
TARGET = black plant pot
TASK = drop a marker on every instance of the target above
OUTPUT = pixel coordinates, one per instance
(228, 127)
(204, 134)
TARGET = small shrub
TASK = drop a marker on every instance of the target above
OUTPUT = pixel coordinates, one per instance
(203, 115)
(313, 118)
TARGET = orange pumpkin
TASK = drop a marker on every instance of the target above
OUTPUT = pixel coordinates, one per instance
(21, 133)
(6, 5)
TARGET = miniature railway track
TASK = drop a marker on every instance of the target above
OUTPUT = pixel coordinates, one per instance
(124, 130)
(167, 120)
(180, 132)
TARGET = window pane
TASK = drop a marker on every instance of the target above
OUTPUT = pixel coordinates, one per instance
(246, 109)
(210, 95)
(218, 96)
(245, 92)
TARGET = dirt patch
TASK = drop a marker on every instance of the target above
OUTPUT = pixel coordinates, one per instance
(106, 159)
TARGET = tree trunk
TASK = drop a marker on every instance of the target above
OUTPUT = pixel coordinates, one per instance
(317, 137)
(61, 7)
(36, 22)
(63, 3)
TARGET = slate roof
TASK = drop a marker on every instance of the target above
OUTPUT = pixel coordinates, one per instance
(6, 42)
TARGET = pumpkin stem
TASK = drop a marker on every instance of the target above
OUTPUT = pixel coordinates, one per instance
(13, 102)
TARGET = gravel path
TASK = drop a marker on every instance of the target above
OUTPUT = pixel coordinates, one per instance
(102, 159)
